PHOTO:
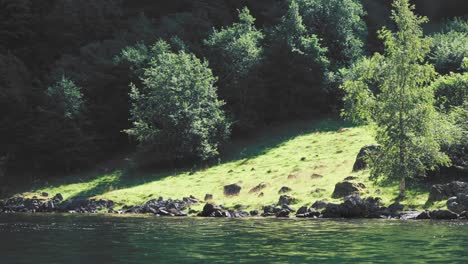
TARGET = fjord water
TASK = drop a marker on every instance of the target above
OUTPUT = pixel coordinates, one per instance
(109, 239)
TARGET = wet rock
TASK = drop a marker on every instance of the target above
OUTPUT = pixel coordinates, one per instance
(284, 189)
(232, 189)
(58, 197)
(254, 212)
(343, 189)
(259, 187)
(282, 213)
(211, 209)
(332, 211)
(409, 215)
(463, 215)
(319, 204)
(287, 207)
(354, 207)
(424, 215)
(285, 199)
(192, 211)
(208, 197)
(458, 203)
(443, 215)
(368, 151)
(441, 192)
(302, 210)
(270, 210)
(395, 207)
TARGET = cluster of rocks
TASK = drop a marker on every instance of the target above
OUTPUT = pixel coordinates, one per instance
(161, 207)
(365, 153)
(281, 209)
(214, 210)
(55, 204)
(353, 206)
(455, 192)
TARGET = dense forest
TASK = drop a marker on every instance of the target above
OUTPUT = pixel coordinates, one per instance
(173, 81)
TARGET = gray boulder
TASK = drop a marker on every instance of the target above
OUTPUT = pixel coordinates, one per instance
(346, 188)
(232, 189)
(443, 215)
(458, 203)
(441, 192)
(285, 199)
(366, 151)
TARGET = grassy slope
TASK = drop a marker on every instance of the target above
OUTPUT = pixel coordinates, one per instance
(268, 157)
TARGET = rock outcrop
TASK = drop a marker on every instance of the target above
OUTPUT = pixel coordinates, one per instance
(366, 151)
(232, 189)
(354, 207)
(441, 192)
(343, 189)
(459, 203)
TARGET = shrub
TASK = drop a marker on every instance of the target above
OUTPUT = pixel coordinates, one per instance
(450, 47)
(176, 113)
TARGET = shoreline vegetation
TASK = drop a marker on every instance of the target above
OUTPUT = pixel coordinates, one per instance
(307, 174)
(223, 87)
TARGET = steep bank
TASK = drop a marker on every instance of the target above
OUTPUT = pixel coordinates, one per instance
(308, 158)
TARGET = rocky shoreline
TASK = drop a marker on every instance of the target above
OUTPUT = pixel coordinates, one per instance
(353, 206)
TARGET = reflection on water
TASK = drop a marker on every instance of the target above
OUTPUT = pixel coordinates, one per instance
(108, 239)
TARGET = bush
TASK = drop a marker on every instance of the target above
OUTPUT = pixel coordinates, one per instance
(451, 90)
(176, 113)
(59, 140)
(295, 69)
(235, 53)
(341, 26)
(451, 47)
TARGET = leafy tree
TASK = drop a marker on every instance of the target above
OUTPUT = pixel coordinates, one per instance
(59, 140)
(340, 24)
(402, 110)
(65, 98)
(176, 113)
(235, 53)
(296, 64)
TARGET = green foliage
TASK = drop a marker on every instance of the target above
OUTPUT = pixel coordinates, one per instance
(176, 113)
(66, 98)
(236, 49)
(451, 90)
(59, 140)
(341, 26)
(449, 48)
(402, 109)
(458, 149)
(296, 68)
(235, 53)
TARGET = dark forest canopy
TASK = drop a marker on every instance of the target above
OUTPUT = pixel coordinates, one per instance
(66, 69)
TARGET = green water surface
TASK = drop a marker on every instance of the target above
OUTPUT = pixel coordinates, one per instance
(108, 239)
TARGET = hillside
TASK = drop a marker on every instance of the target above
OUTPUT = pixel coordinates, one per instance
(287, 155)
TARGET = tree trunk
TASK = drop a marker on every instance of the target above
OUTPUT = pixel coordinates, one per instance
(402, 187)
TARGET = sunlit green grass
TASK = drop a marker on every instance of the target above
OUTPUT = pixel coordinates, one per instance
(300, 149)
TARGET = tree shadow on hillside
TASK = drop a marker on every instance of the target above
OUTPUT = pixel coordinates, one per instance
(246, 148)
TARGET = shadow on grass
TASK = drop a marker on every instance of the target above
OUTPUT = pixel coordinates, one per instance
(246, 148)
